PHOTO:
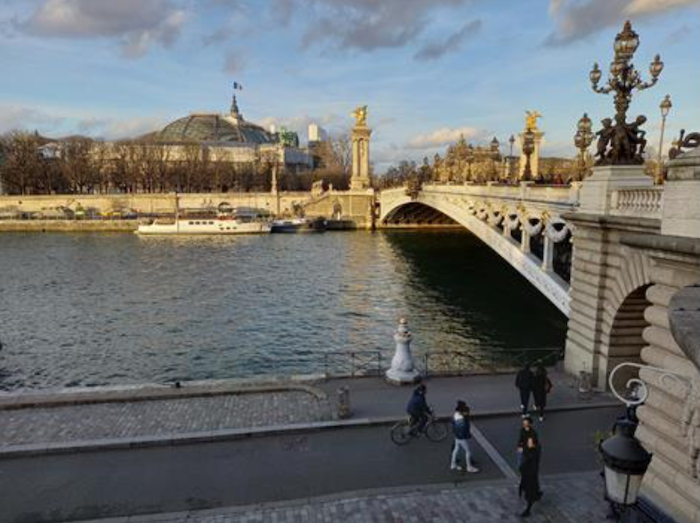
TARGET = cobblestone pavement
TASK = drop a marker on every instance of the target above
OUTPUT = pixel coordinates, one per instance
(158, 417)
(567, 499)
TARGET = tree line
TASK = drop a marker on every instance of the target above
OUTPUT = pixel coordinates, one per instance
(32, 164)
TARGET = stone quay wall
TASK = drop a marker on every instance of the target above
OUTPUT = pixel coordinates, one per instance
(354, 207)
(154, 203)
(68, 225)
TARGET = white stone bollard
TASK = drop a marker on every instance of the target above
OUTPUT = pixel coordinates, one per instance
(402, 369)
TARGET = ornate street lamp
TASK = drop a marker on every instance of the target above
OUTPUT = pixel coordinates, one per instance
(625, 461)
(583, 140)
(470, 156)
(623, 143)
(528, 149)
(511, 141)
(665, 107)
(495, 153)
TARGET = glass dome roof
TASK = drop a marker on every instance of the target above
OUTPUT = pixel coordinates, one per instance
(214, 128)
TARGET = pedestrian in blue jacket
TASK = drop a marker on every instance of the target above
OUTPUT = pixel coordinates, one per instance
(461, 427)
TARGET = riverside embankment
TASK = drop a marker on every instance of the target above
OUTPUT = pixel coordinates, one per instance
(192, 467)
(69, 226)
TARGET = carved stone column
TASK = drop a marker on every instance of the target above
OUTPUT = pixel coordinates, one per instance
(524, 241)
(360, 157)
(534, 158)
(548, 254)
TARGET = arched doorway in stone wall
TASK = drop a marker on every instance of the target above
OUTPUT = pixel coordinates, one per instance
(625, 341)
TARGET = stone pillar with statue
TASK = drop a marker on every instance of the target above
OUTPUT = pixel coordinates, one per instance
(360, 150)
(534, 134)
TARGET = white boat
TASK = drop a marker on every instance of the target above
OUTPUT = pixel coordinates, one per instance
(218, 225)
(237, 222)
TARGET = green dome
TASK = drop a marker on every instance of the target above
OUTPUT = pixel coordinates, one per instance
(214, 128)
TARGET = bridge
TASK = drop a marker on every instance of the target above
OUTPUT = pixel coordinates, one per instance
(611, 253)
(523, 224)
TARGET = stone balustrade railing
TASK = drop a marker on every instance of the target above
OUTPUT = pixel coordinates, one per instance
(563, 197)
(644, 202)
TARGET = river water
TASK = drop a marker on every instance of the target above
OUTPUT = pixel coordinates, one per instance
(103, 309)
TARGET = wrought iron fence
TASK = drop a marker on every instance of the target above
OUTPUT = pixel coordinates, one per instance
(435, 363)
(484, 361)
(353, 363)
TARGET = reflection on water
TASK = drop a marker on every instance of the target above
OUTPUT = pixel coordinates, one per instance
(104, 309)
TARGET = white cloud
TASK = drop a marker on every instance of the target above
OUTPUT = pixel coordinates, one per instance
(443, 136)
(17, 118)
(577, 19)
(643, 7)
(57, 123)
(437, 49)
(121, 128)
(135, 24)
(363, 25)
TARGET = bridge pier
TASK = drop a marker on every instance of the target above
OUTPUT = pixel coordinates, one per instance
(604, 274)
(632, 252)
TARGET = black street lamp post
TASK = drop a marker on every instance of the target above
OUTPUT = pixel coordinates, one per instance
(623, 143)
(583, 140)
(625, 461)
(665, 107)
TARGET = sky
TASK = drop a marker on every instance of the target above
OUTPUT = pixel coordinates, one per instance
(429, 70)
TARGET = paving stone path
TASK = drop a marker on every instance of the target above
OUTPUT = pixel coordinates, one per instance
(567, 499)
(158, 417)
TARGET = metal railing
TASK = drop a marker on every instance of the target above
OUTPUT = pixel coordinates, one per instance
(435, 363)
(454, 362)
(353, 363)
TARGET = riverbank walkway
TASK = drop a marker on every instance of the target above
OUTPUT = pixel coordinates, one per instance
(118, 417)
(276, 452)
(336, 474)
(570, 498)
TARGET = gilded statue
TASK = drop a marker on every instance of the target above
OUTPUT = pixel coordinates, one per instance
(360, 114)
(531, 120)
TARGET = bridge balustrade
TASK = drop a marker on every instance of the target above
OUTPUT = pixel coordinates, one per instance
(644, 202)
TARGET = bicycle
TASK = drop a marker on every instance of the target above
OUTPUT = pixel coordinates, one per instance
(404, 431)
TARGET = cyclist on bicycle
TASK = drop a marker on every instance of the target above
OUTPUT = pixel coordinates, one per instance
(418, 409)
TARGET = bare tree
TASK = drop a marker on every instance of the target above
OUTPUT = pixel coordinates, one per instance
(21, 165)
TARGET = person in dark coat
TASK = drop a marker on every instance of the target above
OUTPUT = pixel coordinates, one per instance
(418, 408)
(529, 447)
(541, 385)
(523, 381)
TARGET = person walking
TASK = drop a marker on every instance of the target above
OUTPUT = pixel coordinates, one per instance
(541, 386)
(461, 428)
(530, 452)
(523, 381)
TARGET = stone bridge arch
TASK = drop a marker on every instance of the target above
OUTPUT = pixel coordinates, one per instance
(609, 299)
(475, 217)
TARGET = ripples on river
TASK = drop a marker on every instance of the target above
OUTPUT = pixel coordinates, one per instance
(98, 309)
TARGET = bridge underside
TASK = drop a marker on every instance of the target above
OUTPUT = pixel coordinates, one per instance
(428, 210)
(416, 215)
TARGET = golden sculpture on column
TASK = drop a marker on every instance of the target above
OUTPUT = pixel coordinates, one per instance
(360, 150)
(531, 128)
